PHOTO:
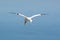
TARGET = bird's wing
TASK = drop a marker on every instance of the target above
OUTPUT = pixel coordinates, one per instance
(20, 14)
(37, 15)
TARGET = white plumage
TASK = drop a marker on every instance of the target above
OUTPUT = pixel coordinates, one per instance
(26, 19)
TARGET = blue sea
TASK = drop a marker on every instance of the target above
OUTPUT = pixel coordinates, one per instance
(31, 31)
(42, 28)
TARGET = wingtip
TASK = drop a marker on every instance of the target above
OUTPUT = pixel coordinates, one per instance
(17, 13)
(11, 12)
(44, 14)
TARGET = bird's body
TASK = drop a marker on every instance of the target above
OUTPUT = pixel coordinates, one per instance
(29, 19)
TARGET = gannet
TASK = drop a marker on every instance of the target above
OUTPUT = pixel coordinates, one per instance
(28, 19)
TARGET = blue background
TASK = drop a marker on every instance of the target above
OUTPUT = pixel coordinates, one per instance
(42, 28)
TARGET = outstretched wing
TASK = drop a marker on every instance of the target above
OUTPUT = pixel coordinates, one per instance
(20, 14)
(37, 15)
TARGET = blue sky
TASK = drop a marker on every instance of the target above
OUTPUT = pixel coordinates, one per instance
(48, 27)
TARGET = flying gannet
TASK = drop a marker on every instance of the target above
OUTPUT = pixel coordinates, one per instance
(28, 19)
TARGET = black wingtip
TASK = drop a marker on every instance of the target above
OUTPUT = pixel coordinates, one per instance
(17, 13)
(11, 12)
(43, 14)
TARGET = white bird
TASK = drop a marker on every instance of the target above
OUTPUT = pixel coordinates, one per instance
(28, 19)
